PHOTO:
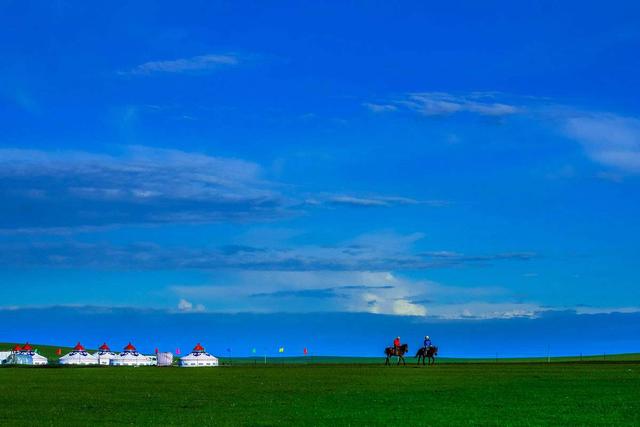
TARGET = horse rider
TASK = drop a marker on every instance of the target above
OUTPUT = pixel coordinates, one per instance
(396, 345)
(427, 342)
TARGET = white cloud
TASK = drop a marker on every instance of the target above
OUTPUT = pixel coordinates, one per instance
(140, 186)
(443, 103)
(476, 309)
(356, 292)
(199, 63)
(369, 200)
(438, 103)
(188, 307)
(403, 307)
(380, 108)
(608, 139)
(376, 201)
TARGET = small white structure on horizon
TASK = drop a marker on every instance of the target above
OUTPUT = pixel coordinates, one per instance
(131, 357)
(25, 355)
(78, 356)
(198, 358)
(4, 355)
(104, 354)
(164, 359)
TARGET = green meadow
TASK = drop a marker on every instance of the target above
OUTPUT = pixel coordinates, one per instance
(502, 393)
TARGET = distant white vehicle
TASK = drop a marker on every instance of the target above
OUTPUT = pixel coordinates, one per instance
(131, 357)
(198, 358)
(78, 356)
(165, 359)
(4, 355)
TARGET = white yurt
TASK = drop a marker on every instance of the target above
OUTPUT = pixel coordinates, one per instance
(104, 354)
(78, 356)
(25, 355)
(131, 357)
(198, 358)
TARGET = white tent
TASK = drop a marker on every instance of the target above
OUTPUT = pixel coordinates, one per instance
(4, 355)
(198, 358)
(25, 355)
(104, 354)
(79, 356)
(131, 357)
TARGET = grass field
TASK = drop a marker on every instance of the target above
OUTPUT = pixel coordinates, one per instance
(486, 394)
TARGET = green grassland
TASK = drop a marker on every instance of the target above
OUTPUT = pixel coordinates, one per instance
(526, 393)
(459, 394)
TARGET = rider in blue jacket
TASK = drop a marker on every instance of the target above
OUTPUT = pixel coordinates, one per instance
(427, 341)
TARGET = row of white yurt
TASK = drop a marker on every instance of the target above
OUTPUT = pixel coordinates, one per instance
(198, 358)
(104, 356)
(25, 355)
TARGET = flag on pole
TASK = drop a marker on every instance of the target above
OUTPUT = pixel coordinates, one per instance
(253, 350)
(177, 351)
(59, 351)
(157, 350)
(306, 351)
(281, 350)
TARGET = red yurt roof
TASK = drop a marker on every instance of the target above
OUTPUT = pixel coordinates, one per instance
(17, 347)
(129, 347)
(27, 347)
(78, 347)
(104, 347)
(198, 347)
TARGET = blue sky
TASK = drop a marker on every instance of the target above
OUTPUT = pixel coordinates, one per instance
(445, 162)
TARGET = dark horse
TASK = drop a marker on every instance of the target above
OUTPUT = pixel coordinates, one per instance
(427, 354)
(391, 351)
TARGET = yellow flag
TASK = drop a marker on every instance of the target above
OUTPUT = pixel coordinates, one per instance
(281, 350)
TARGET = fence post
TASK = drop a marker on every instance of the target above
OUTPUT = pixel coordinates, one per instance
(548, 354)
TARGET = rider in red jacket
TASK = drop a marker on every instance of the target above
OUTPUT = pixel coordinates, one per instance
(396, 343)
